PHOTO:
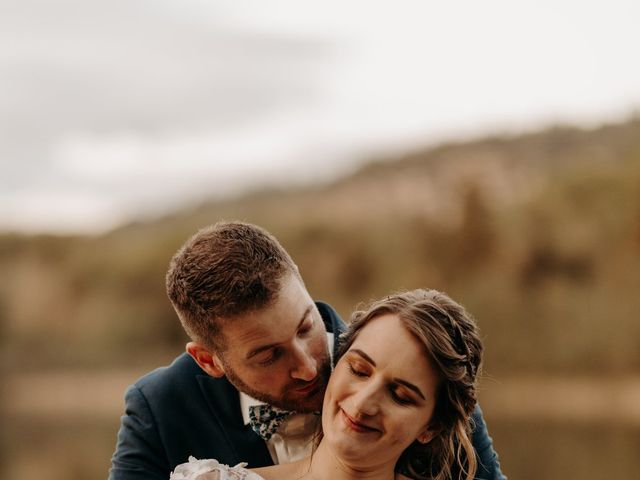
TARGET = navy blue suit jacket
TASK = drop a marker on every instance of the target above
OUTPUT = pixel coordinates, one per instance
(179, 410)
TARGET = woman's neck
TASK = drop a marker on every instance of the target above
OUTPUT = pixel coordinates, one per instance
(324, 464)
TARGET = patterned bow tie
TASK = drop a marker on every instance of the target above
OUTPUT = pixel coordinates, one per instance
(265, 419)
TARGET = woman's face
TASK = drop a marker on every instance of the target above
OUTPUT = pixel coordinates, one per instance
(381, 395)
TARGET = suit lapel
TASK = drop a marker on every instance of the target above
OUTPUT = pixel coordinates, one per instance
(242, 442)
(333, 324)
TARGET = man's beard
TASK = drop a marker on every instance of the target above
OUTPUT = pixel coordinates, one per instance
(310, 403)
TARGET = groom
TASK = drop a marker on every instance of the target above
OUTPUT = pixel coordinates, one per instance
(258, 342)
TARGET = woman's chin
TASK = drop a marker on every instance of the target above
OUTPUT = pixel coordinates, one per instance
(352, 454)
(349, 447)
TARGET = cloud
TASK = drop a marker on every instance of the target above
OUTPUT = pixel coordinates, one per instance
(132, 106)
(129, 66)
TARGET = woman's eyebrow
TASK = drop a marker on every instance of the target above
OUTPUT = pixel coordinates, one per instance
(410, 386)
(363, 355)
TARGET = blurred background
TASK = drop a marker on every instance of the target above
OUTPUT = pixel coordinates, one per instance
(487, 149)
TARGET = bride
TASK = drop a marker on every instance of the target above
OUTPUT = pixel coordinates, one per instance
(399, 401)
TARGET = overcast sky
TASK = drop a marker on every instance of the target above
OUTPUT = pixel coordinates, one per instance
(116, 109)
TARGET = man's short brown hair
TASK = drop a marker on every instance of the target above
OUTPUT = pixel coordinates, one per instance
(223, 271)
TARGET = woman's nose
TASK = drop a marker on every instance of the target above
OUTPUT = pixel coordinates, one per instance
(366, 401)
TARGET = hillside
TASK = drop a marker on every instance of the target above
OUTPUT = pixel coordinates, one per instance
(538, 235)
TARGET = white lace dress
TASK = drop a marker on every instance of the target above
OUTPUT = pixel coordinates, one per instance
(211, 470)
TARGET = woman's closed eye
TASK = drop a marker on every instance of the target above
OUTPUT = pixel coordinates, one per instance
(399, 397)
(357, 370)
(397, 392)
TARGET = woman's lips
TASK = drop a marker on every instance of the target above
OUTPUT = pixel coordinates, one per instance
(355, 425)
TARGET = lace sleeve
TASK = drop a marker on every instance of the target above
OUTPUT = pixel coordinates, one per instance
(211, 469)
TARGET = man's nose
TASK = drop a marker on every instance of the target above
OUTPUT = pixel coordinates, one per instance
(305, 366)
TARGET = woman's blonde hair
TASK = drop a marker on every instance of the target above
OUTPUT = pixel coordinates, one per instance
(452, 342)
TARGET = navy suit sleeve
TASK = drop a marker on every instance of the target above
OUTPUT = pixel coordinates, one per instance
(139, 452)
(488, 464)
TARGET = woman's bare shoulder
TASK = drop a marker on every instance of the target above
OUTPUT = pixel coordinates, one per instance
(285, 471)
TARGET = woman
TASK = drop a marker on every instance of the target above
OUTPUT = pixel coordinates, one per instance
(398, 403)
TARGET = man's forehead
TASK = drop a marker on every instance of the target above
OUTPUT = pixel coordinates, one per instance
(265, 327)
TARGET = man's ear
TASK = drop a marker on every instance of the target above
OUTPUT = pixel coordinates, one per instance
(208, 361)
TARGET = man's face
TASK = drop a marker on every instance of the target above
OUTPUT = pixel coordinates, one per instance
(279, 354)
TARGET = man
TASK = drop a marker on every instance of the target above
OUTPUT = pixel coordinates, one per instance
(258, 342)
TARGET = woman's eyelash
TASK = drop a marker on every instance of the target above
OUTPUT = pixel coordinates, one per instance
(357, 373)
(400, 400)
